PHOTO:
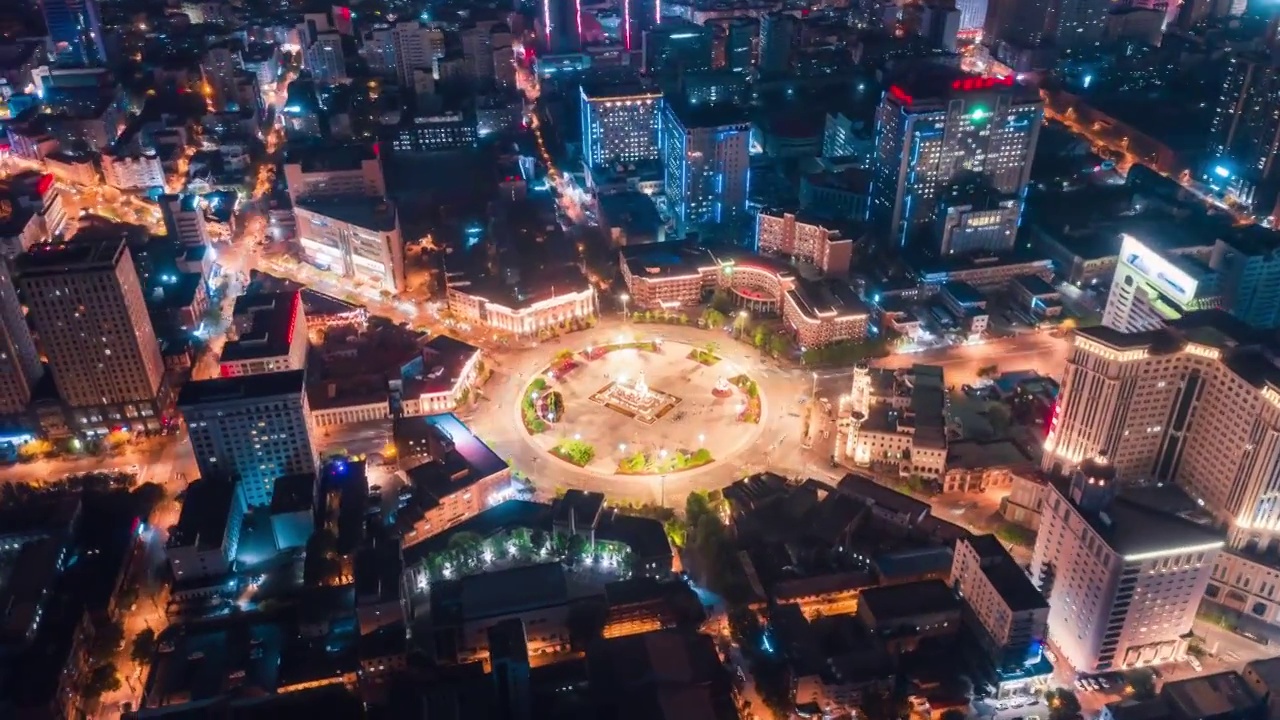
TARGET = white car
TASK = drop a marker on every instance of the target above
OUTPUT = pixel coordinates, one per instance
(1052, 657)
(1195, 664)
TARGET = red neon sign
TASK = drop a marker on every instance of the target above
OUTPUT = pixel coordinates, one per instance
(46, 182)
(980, 83)
(293, 317)
(900, 95)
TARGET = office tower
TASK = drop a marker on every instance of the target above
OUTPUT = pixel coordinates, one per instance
(779, 41)
(973, 218)
(268, 333)
(1247, 265)
(75, 29)
(19, 361)
(218, 67)
(973, 16)
(677, 45)
(1023, 25)
(416, 48)
(619, 123)
(86, 305)
(251, 429)
(184, 218)
(334, 171)
(1003, 608)
(562, 26)
(638, 17)
(1151, 288)
(477, 53)
(1080, 24)
(705, 166)
(940, 23)
(1244, 134)
(938, 126)
(740, 43)
(1196, 403)
(207, 536)
(325, 60)
(1123, 580)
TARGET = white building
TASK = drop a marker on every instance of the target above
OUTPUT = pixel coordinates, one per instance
(205, 540)
(184, 219)
(136, 171)
(253, 429)
(325, 60)
(1151, 288)
(332, 172)
(416, 48)
(1123, 580)
(355, 237)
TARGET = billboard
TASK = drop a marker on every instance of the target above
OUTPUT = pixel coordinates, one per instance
(1158, 271)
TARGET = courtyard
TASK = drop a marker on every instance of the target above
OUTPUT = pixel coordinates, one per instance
(642, 408)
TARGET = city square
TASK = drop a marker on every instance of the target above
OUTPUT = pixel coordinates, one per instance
(642, 408)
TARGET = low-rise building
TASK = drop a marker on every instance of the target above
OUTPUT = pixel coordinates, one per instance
(205, 540)
(967, 305)
(902, 616)
(807, 239)
(133, 171)
(439, 378)
(557, 297)
(269, 334)
(1034, 295)
(896, 419)
(293, 507)
(355, 237)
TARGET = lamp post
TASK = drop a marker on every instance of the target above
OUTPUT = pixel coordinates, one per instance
(625, 298)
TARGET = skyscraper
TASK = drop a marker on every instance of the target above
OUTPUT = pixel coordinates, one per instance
(638, 16)
(678, 46)
(218, 68)
(325, 60)
(619, 123)
(1248, 270)
(19, 361)
(75, 28)
(416, 48)
(87, 307)
(184, 218)
(252, 429)
(779, 39)
(706, 163)
(1123, 580)
(562, 26)
(1244, 135)
(740, 43)
(940, 126)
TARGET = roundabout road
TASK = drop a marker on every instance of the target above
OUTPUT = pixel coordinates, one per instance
(773, 444)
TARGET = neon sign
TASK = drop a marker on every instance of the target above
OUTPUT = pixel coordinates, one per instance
(980, 83)
(1157, 269)
(900, 95)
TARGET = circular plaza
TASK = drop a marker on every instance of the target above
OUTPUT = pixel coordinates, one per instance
(641, 407)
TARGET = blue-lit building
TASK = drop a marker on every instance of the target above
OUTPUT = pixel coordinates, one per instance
(1244, 135)
(940, 126)
(562, 26)
(638, 16)
(619, 123)
(706, 165)
(75, 28)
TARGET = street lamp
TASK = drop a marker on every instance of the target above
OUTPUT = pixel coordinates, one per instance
(625, 298)
(622, 447)
(813, 394)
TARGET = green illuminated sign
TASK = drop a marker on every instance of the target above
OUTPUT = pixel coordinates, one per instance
(978, 114)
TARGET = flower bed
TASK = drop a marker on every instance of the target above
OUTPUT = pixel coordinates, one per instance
(533, 424)
(751, 410)
(599, 351)
(576, 452)
(649, 464)
(703, 356)
(562, 368)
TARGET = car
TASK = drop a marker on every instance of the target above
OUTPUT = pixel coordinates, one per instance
(1080, 685)
(1002, 705)
(1053, 658)
(1195, 664)
(1103, 682)
(1033, 717)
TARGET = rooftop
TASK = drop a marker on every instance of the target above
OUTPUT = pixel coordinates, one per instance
(873, 493)
(828, 299)
(504, 592)
(708, 116)
(327, 158)
(203, 521)
(73, 256)
(1222, 694)
(912, 563)
(265, 324)
(438, 366)
(1133, 529)
(370, 213)
(245, 387)
(293, 493)
(888, 603)
(1005, 576)
(535, 286)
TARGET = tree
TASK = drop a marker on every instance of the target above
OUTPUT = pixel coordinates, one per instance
(35, 449)
(575, 549)
(676, 531)
(466, 546)
(695, 506)
(147, 496)
(144, 646)
(539, 540)
(1143, 682)
(116, 438)
(106, 642)
(713, 318)
(999, 416)
(522, 539)
(564, 355)
(779, 344)
(1062, 704)
(760, 338)
(103, 679)
(320, 564)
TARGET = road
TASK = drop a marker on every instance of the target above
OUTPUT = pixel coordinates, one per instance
(1042, 352)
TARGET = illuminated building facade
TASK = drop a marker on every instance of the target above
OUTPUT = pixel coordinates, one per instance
(808, 239)
(138, 171)
(1123, 580)
(522, 312)
(562, 26)
(619, 124)
(355, 237)
(431, 133)
(706, 164)
(939, 127)
(86, 304)
(75, 29)
(268, 334)
(19, 361)
(252, 429)
(1197, 403)
(677, 46)
(1150, 288)
(1244, 135)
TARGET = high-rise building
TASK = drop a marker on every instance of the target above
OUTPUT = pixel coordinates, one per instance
(562, 26)
(1244, 135)
(504, 59)
(973, 16)
(477, 52)
(677, 45)
(1123, 580)
(87, 307)
(940, 23)
(268, 333)
(638, 17)
(1007, 613)
(619, 123)
(706, 163)
(325, 60)
(75, 29)
(184, 218)
(416, 48)
(1022, 25)
(1196, 403)
(218, 68)
(973, 218)
(1247, 265)
(939, 126)
(334, 171)
(378, 48)
(779, 42)
(19, 361)
(740, 40)
(251, 429)
(1151, 288)
(205, 540)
